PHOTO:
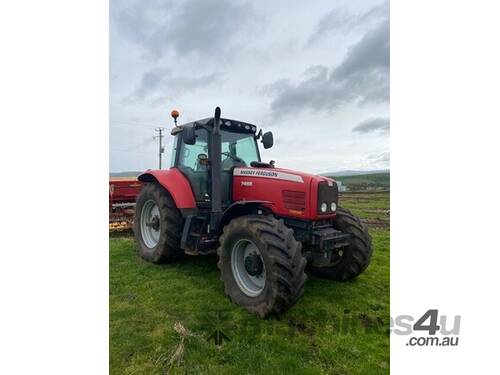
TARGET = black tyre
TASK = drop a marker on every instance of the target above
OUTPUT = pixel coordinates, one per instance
(261, 264)
(356, 257)
(157, 225)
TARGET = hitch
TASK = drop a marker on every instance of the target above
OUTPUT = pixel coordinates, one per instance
(329, 238)
(330, 244)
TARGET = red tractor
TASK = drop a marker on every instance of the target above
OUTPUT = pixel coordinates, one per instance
(265, 223)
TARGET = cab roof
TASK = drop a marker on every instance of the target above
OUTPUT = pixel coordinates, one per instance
(226, 124)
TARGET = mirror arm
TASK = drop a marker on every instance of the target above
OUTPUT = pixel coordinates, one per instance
(258, 135)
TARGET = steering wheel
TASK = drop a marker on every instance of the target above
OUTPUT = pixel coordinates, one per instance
(235, 158)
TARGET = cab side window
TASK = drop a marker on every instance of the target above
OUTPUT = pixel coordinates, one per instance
(188, 157)
(189, 164)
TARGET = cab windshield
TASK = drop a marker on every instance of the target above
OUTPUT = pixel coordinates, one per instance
(238, 146)
(238, 150)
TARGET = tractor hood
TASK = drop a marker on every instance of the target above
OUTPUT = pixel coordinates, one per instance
(281, 174)
(294, 194)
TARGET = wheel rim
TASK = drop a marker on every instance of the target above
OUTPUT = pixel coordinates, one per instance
(248, 267)
(150, 224)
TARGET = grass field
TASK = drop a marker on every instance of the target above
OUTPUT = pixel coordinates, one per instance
(336, 328)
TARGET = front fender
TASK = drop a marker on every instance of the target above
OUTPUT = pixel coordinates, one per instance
(241, 208)
(174, 182)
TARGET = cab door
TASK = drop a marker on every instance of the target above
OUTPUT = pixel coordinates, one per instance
(190, 163)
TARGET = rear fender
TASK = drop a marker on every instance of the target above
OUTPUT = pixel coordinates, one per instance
(175, 183)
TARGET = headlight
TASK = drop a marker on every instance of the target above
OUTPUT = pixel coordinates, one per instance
(333, 206)
(323, 207)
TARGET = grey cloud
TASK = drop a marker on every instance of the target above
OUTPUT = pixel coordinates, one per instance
(276, 87)
(381, 124)
(340, 20)
(161, 83)
(362, 77)
(190, 27)
(371, 53)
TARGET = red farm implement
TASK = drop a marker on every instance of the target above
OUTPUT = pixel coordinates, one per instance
(123, 192)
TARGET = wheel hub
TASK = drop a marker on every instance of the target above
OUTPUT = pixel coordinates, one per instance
(154, 222)
(248, 268)
(150, 223)
(253, 264)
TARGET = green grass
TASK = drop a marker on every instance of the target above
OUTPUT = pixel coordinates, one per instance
(336, 328)
(373, 205)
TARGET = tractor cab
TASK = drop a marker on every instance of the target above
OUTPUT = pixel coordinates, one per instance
(192, 156)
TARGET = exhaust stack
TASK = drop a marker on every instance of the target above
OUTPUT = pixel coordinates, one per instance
(215, 172)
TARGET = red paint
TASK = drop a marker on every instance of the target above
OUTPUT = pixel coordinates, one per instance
(294, 200)
(123, 190)
(260, 189)
(175, 183)
(270, 189)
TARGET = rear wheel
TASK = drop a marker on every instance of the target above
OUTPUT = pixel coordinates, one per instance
(157, 225)
(356, 257)
(261, 264)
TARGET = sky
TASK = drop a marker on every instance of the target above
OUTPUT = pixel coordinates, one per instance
(314, 73)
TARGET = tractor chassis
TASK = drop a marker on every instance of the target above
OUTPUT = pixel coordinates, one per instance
(322, 243)
(195, 240)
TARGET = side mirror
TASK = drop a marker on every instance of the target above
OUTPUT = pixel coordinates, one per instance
(267, 139)
(189, 136)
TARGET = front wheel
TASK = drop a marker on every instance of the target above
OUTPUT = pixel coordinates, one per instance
(355, 257)
(261, 264)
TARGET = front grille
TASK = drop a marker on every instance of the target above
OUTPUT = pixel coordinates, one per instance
(327, 194)
(294, 200)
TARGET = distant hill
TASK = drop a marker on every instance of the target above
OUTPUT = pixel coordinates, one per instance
(125, 174)
(371, 181)
(355, 173)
